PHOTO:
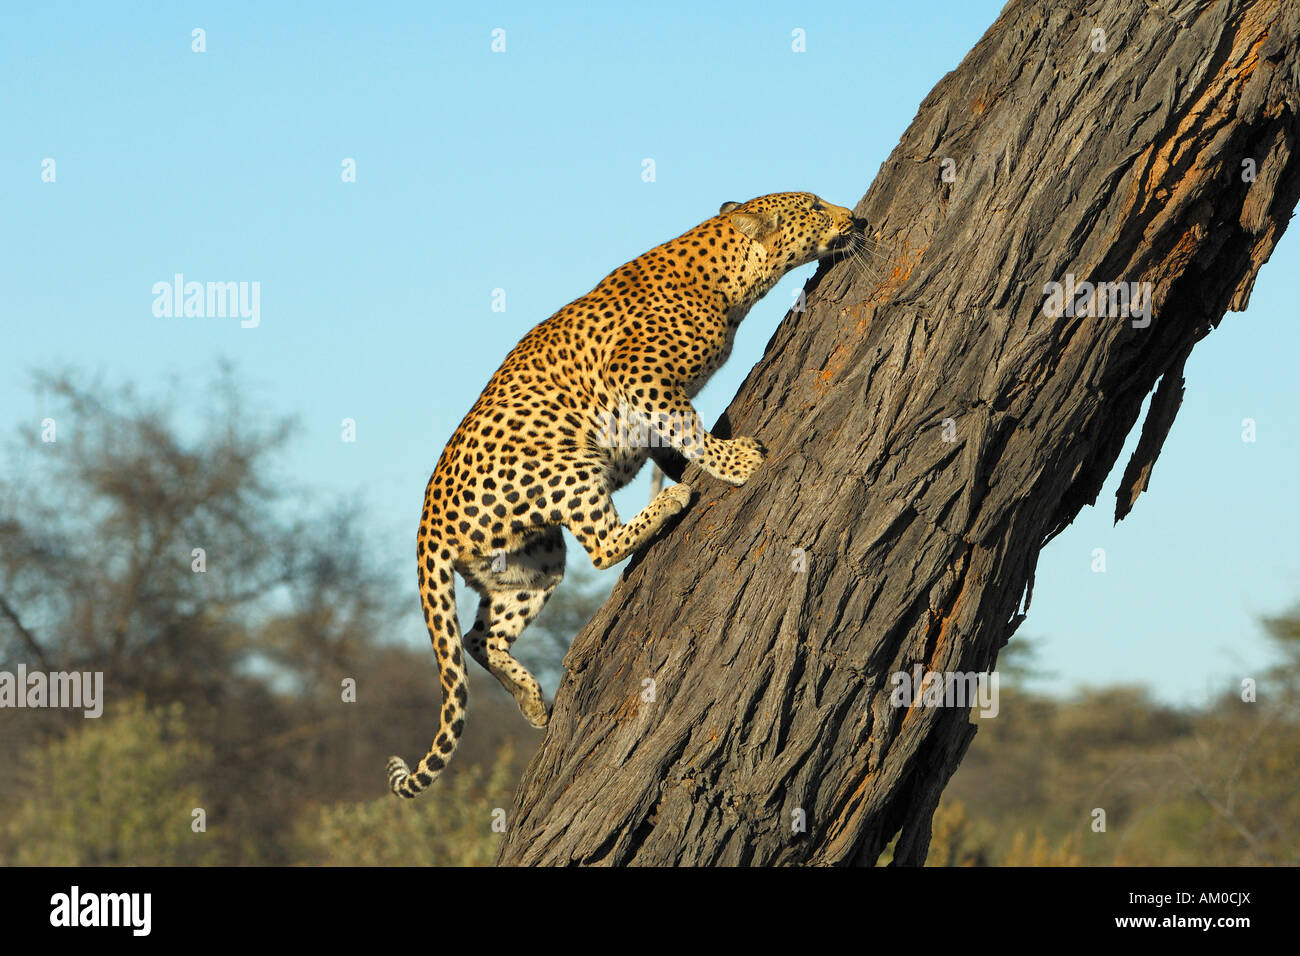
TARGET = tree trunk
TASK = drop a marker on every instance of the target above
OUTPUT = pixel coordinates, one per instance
(929, 430)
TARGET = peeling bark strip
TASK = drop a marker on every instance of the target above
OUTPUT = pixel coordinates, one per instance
(771, 685)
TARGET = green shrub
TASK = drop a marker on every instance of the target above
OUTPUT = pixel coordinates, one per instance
(116, 791)
(451, 824)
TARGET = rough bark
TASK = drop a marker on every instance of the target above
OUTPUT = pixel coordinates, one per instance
(771, 685)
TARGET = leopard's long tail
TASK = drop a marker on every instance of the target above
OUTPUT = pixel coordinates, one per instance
(438, 597)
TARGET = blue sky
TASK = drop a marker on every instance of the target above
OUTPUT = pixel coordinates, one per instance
(522, 171)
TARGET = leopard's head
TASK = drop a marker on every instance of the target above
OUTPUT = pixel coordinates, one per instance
(793, 228)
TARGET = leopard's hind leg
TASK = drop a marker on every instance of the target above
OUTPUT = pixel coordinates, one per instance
(514, 587)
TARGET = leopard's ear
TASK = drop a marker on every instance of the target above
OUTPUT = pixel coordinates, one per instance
(727, 207)
(754, 225)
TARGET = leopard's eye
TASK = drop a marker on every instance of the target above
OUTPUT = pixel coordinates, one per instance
(818, 207)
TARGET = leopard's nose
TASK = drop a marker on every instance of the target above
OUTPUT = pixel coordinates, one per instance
(857, 224)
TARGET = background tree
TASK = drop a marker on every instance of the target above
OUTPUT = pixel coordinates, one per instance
(1211, 785)
(97, 573)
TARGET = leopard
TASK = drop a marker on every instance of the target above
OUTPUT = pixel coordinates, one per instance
(573, 413)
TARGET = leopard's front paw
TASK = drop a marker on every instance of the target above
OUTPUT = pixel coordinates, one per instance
(740, 458)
